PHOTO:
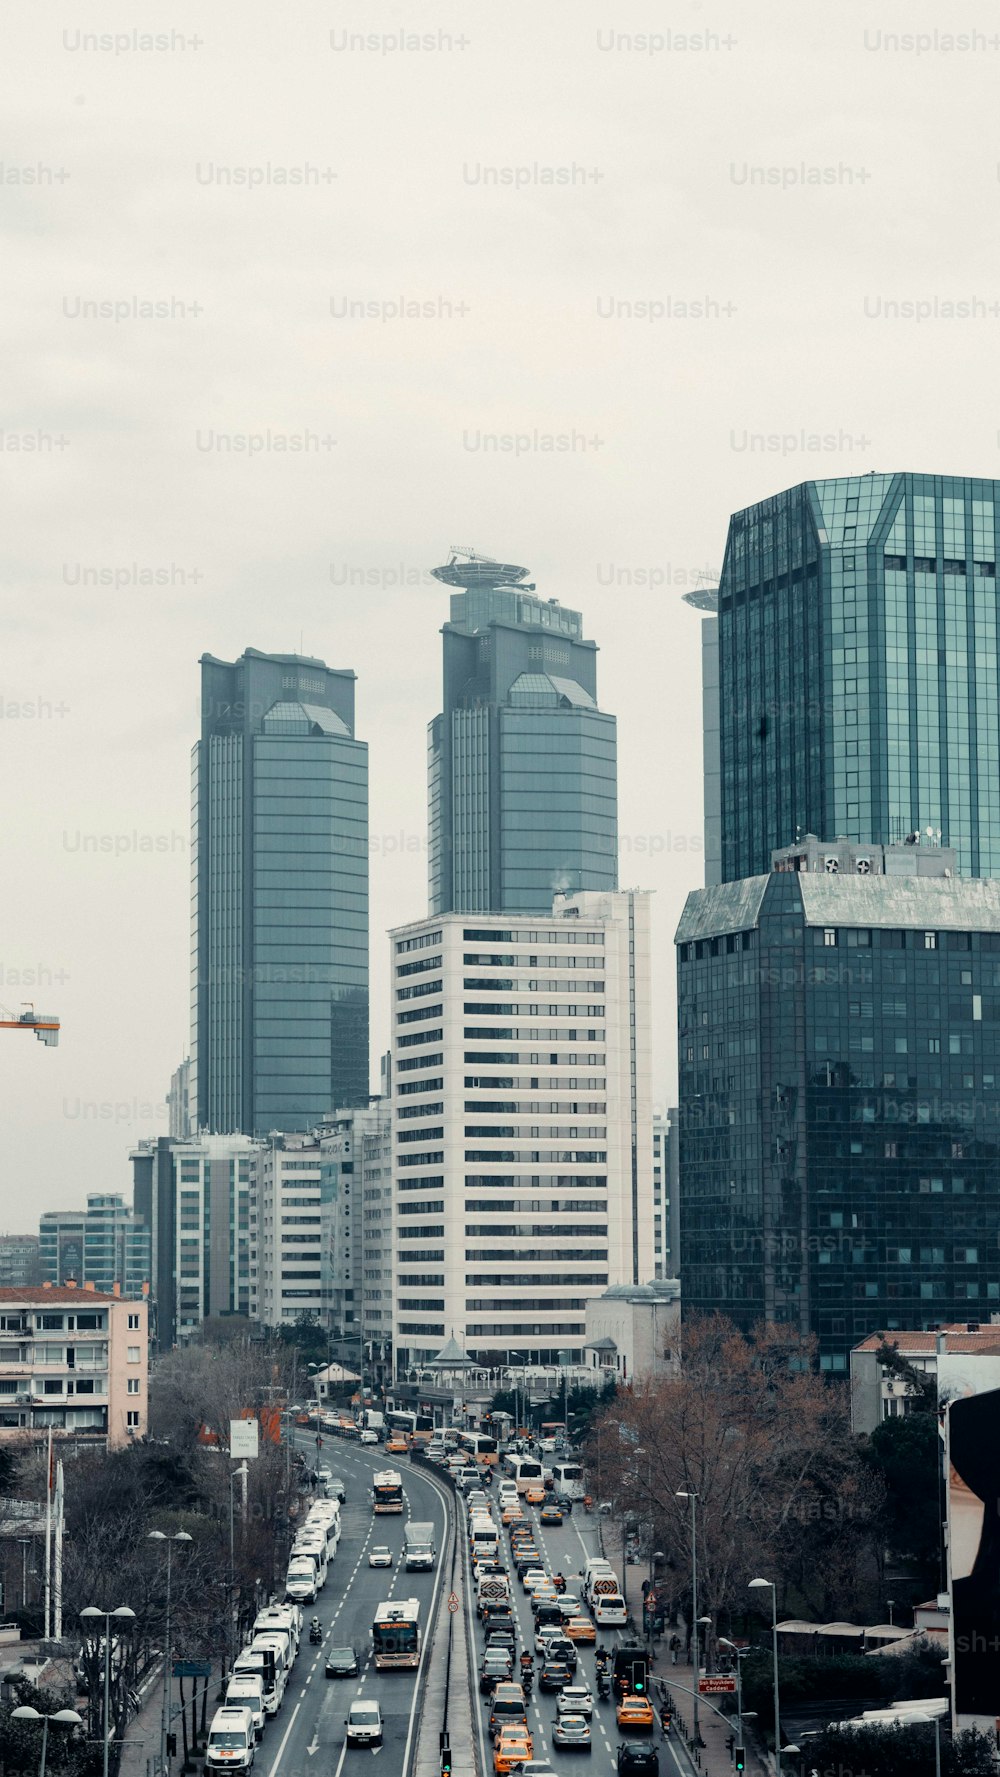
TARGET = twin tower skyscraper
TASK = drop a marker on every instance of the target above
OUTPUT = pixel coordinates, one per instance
(522, 804)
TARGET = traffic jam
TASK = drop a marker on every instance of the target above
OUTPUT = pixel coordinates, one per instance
(554, 1673)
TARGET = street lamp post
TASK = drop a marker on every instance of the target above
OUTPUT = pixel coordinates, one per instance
(890, 1602)
(65, 1717)
(768, 1585)
(122, 1616)
(738, 1653)
(689, 1493)
(179, 1536)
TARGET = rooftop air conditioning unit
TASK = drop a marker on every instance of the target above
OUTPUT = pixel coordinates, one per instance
(831, 864)
(863, 866)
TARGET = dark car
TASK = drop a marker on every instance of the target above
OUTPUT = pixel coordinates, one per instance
(341, 1662)
(495, 1669)
(504, 1637)
(497, 1616)
(638, 1761)
(550, 1515)
(564, 1503)
(562, 1649)
(547, 1613)
(554, 1675)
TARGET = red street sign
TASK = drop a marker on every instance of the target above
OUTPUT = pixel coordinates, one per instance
(717, 1687)
(453, 1603)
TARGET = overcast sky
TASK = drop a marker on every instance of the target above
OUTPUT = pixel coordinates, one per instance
(770, 178)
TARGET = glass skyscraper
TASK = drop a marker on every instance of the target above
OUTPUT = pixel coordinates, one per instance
(839, 1061)
(522, 763)
(279, 1030)
(858, 668)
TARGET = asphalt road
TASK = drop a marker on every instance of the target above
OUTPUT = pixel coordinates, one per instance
(564, 1550)
(307, 1734)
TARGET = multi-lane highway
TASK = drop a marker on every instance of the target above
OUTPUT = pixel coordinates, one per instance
(307, 1734)
(564, 1550)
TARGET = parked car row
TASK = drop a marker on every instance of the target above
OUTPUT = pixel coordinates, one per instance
(255, 1689)
(312, 1551)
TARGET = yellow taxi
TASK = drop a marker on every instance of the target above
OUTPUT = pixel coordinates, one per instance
(635, 1712)
(511, 1514)
(396, 1445)
(513, 1746)
(535, 1496)
(580, 1629)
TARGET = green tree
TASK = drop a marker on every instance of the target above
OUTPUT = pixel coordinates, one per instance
(906, 1453)
(899, 1752)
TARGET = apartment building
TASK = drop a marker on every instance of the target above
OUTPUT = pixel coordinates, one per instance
(522, 1125)
(76, 1360)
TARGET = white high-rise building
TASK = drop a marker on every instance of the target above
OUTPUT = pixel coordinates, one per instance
(286, 1224)
(522, 1125)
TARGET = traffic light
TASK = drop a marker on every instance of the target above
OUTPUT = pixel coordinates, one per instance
(639, 1678)
(171, 1745)
(445, 1755)
(740, 1758)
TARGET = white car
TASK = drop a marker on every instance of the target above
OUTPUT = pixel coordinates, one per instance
(369, 1437)
(544, 1635)
(570, 1606)
(364, 1723)
(575, 1699)
(380, 1556)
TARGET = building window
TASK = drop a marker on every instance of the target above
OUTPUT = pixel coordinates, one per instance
(134, 1323)
(930, 941)
(133, 1385)
(132, 1419)
(133, 1354)
(830, 937)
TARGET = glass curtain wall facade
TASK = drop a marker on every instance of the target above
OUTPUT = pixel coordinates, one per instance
(279, 896)
(522, 764)
(857, 668)
(840, 1103)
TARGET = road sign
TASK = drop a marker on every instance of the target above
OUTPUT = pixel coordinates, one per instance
(453, 1601)
(720, 1686)
(243, 1437)
(192, 1668)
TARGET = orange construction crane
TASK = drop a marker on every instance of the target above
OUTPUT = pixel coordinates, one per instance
(44, 1024)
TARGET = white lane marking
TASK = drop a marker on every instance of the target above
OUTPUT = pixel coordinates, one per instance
(284, 1742)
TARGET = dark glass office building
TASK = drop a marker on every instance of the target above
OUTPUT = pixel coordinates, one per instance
(840, 1095)
(858, 667)
(279, 896)
(522, 763)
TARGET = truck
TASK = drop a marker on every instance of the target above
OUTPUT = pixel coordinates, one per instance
(493, 1588)
(371, 1419)
(419, 1549)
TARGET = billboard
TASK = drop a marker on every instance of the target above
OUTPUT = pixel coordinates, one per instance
(973, 1454)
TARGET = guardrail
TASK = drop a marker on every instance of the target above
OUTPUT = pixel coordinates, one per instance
(419, 1460)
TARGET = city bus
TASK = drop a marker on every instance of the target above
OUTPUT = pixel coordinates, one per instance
(396, 1633)
(552, 1428)
(523, 1470)
(567, 1478)
(479, 1447)
(396, 1420)
(387, 1491)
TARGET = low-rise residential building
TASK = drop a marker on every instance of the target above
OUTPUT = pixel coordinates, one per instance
(76, 1359)
(634, 1330)
(961, 1359)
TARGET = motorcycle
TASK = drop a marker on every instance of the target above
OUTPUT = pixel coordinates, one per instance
(315, 1630)
(603, 1686)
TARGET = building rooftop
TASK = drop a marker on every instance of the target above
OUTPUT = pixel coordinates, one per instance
(961, 1337)
(934, 903)
(45, 1294)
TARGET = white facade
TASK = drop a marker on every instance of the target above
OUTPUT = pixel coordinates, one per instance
(211, 1228)
(635, 1331)
(522, 1125)
(659, 1193)
(286, 1221)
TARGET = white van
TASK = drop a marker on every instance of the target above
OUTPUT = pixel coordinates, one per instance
(276, 1646)
(265, 1624)
(609, 1610)
(281, 1616)
(246, 1691)
(311, 1546)
(364, 1723)
(300, 1580)
(260, 1663)
(231, 1740)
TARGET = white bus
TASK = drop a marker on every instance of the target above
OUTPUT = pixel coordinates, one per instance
(396, 1633)
(524, 1471)
(479, 1447)
(567, 1478)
